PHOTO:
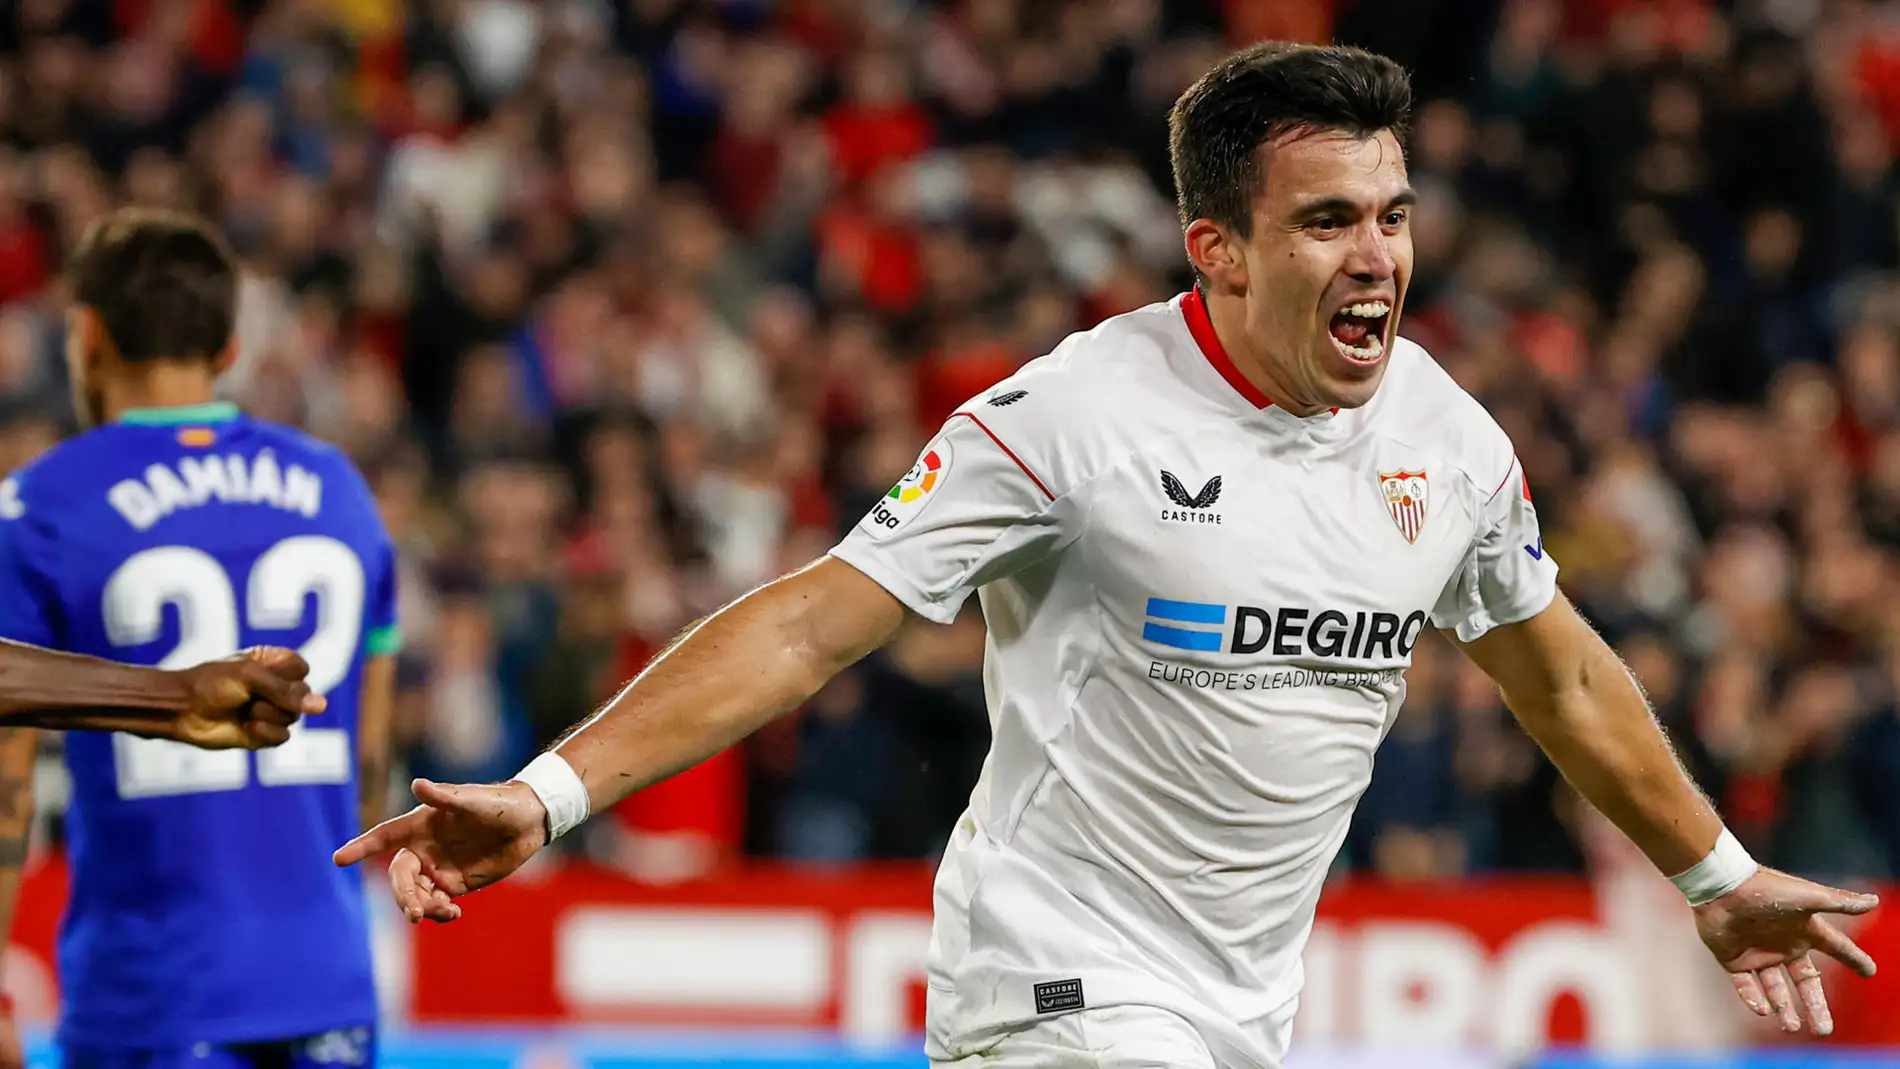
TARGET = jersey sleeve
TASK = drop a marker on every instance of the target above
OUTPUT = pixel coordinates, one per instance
(1506, 577)
(382, 633)
(977, 506)
(30, 606)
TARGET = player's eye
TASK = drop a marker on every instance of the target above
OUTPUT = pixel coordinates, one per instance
(1395, 218)
(1327, 224)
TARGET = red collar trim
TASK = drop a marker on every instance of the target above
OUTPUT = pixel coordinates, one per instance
(1202, 327)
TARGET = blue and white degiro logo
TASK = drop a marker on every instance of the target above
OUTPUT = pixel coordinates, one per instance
(1183, 624)
(1286, 631)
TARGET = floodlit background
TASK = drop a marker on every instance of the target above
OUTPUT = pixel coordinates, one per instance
(627, 306)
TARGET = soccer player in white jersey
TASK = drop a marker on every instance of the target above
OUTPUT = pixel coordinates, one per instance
(1206, 536)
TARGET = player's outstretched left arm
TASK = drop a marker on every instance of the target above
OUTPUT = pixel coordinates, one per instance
(247, 701)
(1578, 701)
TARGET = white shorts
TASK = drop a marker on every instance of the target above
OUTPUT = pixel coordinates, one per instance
(1113, 1037)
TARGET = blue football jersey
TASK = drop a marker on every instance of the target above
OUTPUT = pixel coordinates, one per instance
(204, 905)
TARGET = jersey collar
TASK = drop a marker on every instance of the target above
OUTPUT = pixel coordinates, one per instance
(1201, 325)
(175, 415)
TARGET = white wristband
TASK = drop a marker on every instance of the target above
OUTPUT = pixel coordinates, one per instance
(560, 789)
(1725, 869)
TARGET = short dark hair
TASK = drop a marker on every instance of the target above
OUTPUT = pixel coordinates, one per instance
(163, 284)
(1217, 127)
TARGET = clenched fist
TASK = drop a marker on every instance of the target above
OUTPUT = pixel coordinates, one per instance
(246, 701)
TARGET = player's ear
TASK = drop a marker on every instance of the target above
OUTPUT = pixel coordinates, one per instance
(226, 357)
(1215, 254)
(83, 332)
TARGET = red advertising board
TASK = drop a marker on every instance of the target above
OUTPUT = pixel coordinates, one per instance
(1503, 965)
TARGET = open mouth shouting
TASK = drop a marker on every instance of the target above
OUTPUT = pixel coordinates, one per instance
(1358, 330)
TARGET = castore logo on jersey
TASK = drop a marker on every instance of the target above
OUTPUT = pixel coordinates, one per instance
(1190, 504)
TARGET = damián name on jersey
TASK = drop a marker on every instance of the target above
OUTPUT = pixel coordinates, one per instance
(1289, 631)
(231, 480)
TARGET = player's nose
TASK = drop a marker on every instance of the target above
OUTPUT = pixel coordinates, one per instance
(1370, 259)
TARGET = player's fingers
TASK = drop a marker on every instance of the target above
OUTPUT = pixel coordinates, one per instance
(297, 699)
(1749, 988)
(437, 903)
(262, 712)
(286, 694)
(1774, 981)
(384, 837)
(1820, 898)
(1807, 984)
(405, 882)
(467, 798)
(1835, 944)
(420, 899)
(280, 661)
(265, 735)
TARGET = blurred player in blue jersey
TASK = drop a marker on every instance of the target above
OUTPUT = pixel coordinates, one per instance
(207, 926)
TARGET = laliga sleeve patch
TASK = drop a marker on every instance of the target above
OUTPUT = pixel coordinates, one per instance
(922, 483)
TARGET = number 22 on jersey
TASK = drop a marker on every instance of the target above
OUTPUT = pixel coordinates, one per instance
(208, 628)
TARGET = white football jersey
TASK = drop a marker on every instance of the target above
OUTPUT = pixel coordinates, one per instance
(1200, 611)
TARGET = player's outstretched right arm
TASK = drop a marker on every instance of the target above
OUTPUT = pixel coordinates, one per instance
(247, 701)
(755, 660)
(988, 498)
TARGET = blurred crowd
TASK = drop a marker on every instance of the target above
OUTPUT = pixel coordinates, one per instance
(625, 307)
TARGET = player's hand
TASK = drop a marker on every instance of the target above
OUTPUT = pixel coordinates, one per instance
(247, 701)
(462, 838)
(1765, 933)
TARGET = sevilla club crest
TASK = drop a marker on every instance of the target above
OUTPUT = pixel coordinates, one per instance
(1406, 498)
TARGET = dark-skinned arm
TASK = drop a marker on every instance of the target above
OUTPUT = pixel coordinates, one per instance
(47, 688)
(19, 751)
(375, 720)
(243, 701)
